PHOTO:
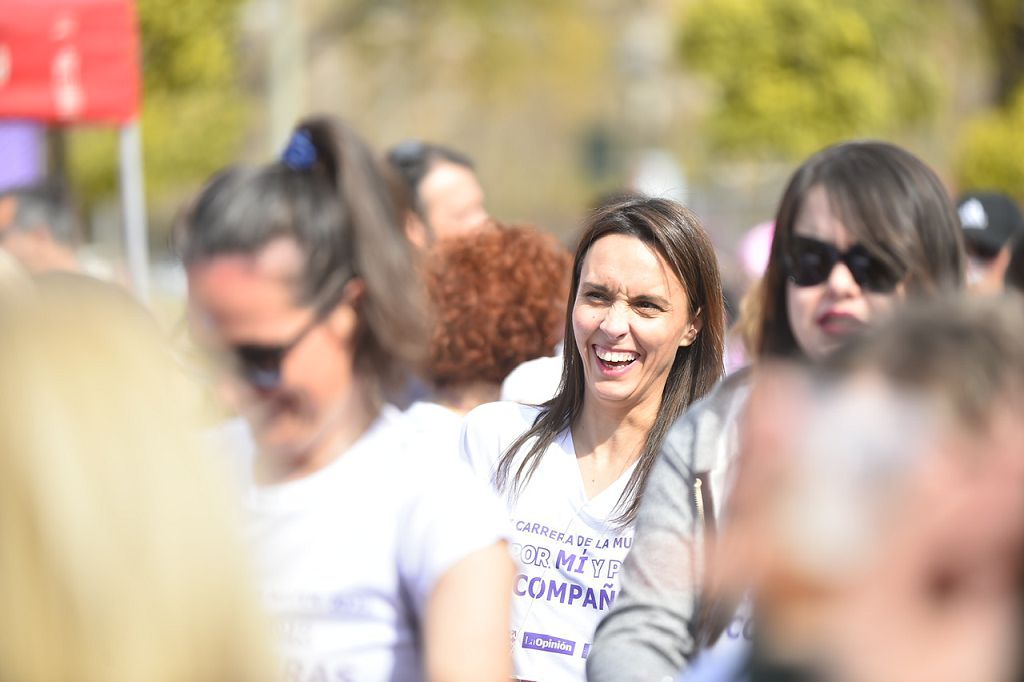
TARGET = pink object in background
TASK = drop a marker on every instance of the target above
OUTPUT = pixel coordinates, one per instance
(753, 252)
(755, 247)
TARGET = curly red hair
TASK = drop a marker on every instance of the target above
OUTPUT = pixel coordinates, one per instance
(499, 300)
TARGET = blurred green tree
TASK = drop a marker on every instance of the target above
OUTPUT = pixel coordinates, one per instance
(193, 113)
(1003, 24)
(790, 76)
(989, 151)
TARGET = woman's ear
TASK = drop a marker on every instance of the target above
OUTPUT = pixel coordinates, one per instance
(696, 324)
(416, 230)
(343, 319)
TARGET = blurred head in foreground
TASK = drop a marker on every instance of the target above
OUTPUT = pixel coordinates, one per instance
(880, 503)
(499, 298)
(119, 559)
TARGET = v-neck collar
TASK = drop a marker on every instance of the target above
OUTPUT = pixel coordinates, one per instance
(603, 503)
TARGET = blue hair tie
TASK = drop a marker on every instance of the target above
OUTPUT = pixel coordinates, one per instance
(300, 154)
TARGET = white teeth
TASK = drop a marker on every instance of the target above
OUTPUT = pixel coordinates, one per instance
(611, 356)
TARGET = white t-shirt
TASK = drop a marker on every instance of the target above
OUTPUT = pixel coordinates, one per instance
(533, 382)
(568, 552)
(436, 424)
(349, 555)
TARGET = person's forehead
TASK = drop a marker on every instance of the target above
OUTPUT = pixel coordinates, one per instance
(271, 272)
(629, 263)
(446, 177)
(819, 217)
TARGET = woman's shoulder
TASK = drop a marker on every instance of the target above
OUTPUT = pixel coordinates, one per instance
(723, 399)
(703, 431)
(422, 454)
(505, 416)
(489, 430)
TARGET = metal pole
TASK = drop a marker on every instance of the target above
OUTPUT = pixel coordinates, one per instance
(286, 73)
(133, 206)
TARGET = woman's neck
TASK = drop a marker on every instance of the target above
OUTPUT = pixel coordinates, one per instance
(608, 441)
(464, 397)
(351, 417)
(605, 432)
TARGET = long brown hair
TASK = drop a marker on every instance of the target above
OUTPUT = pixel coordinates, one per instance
(677, 236)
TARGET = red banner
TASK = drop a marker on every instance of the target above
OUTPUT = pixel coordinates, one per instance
(66, 61)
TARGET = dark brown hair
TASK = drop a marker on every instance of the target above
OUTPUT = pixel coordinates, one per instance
(678, 237)
(498, 297)
(333, 201)
(890, 202)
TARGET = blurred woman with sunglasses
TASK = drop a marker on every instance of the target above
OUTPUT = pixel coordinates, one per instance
(381, 558)
(860, 226)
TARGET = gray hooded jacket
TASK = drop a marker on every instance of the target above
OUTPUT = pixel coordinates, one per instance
(652, 630)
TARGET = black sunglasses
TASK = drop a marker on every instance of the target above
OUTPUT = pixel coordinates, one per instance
(260, 365)
(809, 262)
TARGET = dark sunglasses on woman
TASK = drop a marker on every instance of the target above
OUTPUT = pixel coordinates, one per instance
(259, 365)
(810, 262)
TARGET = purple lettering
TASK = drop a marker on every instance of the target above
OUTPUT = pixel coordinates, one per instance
(564, 560)
(735, 629)
(520, 591)
(556, 589)
(548, 644)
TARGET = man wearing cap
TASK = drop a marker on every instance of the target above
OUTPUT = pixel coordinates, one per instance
(992, 224)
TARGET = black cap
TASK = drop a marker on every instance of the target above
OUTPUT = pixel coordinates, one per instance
(990, 221)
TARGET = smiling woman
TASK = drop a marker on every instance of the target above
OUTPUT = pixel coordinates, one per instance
(643, 340)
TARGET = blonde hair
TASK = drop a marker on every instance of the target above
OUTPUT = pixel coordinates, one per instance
(13, 278)
(119, 556)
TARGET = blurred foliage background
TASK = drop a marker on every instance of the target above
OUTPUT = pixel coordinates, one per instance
(559, 102)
